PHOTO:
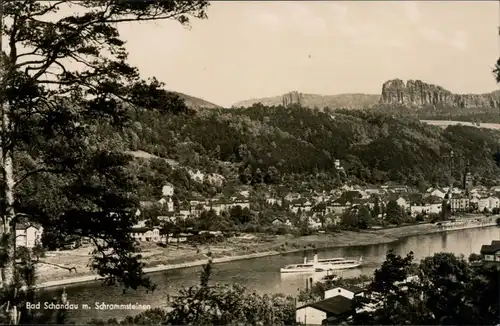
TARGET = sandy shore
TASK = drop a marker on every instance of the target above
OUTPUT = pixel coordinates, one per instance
(237, 248)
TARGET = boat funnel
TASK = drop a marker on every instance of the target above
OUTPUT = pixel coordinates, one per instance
(315, 257)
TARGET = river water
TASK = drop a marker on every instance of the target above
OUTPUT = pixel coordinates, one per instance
(262, 274)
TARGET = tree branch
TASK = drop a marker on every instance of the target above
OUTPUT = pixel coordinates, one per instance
(56, 265)
(41, 170)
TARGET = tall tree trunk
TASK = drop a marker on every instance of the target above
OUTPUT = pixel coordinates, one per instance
(8, 221)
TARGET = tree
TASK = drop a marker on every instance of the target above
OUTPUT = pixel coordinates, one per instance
(272, 176)
(59, 77)
(350, 218)
(389, 297)
(445, 290)
(228, 305)
(394, 213)
(376, 208)
(496, 71)
(445, 210)
(364, 217)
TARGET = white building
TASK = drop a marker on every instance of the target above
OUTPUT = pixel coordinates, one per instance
(315, 313)
(425, 209)
(403, 203)
(167, 190)
(438, 193)
(146, 234)
(488, 203)
(28, 235)
(347, 292)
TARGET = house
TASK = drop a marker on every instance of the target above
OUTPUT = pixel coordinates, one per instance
(494, 202)
(315, 313)
(491, 253)
(394, 188)
(245, 193)
(281, 222)
(313, 223)
(403, 203)
(140, 224)
(438, 193)
(292, 196)
(482, 204)
(169, 203)
(196, 176)
(333, 220)
(301, 204)
(243, 203)
(185, 213)
(28, 235)
(374, 191)
(273, 201)
(167, 190)
(459, 203)
(425, 209)
(337, 207)
(346, 291)
(145, 234)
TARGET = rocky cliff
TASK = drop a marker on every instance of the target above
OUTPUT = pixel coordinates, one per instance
(416, 93)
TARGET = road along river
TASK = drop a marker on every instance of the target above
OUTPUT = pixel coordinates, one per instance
(262, 274)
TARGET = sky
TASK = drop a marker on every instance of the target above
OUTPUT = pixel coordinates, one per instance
(257, 49)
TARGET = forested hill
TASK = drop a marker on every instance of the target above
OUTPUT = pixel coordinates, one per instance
(195, 102)
(297, 147)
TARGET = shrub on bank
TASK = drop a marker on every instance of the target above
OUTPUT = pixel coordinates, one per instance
(216, 305)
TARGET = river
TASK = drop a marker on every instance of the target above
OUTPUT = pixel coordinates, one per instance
(262, 274)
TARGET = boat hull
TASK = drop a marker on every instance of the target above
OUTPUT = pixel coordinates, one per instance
(316, 269)
(339, 267)
(297, 271)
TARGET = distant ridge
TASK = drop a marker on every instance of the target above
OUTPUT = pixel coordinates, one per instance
(395, 93)
(349, 101)
(197, 103)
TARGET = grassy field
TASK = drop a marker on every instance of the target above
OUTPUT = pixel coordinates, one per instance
(446, 123)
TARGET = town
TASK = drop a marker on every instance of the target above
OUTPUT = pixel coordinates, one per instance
(371, 206)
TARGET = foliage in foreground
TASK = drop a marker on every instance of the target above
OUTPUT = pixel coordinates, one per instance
(218, 304)
(445, 290)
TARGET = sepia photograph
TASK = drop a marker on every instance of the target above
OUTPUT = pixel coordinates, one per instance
(193, 162)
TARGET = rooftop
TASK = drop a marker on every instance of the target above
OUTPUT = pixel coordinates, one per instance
(335, 305)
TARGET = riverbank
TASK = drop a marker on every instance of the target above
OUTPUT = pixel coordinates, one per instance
(239, 248)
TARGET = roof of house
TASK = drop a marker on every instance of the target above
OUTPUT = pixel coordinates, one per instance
(142, 229)
(352, 288)
(24, 226)
(492, 248)
(335, 305)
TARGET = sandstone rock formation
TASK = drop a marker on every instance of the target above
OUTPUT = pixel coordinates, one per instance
(416, 93)
(349, 101)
